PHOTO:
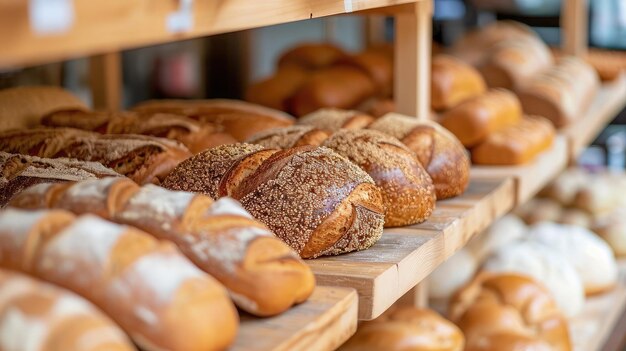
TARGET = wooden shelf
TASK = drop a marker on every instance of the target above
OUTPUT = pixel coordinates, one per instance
(404, 256)
(113, 25)
(601, 325)
(609, 101)
(531, 178)
(324, 322)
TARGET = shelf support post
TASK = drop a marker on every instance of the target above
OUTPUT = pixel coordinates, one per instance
(105, 80)
(413, 41)
(574, 27)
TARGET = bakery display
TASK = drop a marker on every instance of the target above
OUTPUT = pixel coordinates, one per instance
(263, 275)
(317, 201)
(41, 316)
(147, 286)
(508, 312)
(453, 81)
(143, 159)
(407, 328)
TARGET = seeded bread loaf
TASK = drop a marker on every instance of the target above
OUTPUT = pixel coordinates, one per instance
(147, 286)
(311, 56)
(263, 275)
(334, 119)
(452, 82)
(315, 200)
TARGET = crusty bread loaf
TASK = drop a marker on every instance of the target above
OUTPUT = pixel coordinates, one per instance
(452, 82)
(404, 329)
(315, 200)
(22, 107)
(377, 107)
(311, 56)
(144, 159)
(151, 290)
(509, 311)
(338, 86)
(516, 144)
(440, 152)
(35, 315)
(284, 138)
(608, 64)
(407, 190)
(274, 91)
(263, 275)
(334, 119)
(473, 120)
(379, 67)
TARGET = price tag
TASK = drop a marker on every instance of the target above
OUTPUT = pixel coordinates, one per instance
(181, 20)
(49, 17)
(621, 11)
(347, 6)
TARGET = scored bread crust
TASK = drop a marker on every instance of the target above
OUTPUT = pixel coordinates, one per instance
(283, 138)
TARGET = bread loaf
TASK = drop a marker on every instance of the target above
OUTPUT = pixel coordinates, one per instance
(407, 328)
(153, 292)
(443, 156)
(315, 200)
(284, 138)
(334, 119)
(452, 82)
(38, 316)
(263, 275)
(274, 91)
(379, 67)
(612, 229)
(311, 56)
(144, 159)
(377, 107)
(475, 119)
(18, 172)
(509, 312)
(516, 144)
(407, 190)
(565, 187)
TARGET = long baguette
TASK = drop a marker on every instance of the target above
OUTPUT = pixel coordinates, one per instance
(152, 291)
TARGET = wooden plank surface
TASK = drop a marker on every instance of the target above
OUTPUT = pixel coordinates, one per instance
(591, 329)
(114, 25)
(324, 322)
(406, 255)
(531, 178)
(609, 101)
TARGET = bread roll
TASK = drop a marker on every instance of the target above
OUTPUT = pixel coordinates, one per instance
(275, 91)
(377, 107)
(452, 82)
(474, 120)
(154, 293)
(608, 64)
(546, 266)
(315, 200)
(284, 138)
(565, 187)
(23, 107)
(542, 210)
(452, 274)
(35, 315)
(408, 192)
(503, 231)
(443, 156)
(598, 195)
(575, 217)
(342, 87)
(509, 312)
(407, 328)
(515, 144)
(591, 256)
(311, 56)
(612, 229)
(334, 119)
(379, 67)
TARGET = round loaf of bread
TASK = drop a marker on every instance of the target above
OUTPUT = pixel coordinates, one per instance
(503, 231)
(284, 138)
(509, 312)
(452, 274)
(612, 229)
(408, 191)
(335, 119)
(439, 151)
(407, 329)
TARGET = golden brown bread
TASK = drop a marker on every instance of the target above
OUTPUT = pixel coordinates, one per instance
(517, 144)
(608, 64)
(379, 67)
(315, 200)
(243, 125)
(284, 138)
(334, 119)
(144, 159)
(406, 329)
(440, 152)
(473, 120)
(407, 190)
(505, 311)
(41, 316)
(151, 290)
(377, 107)
(452, 82)
(274, 91)
(311, 56)
(338, 86)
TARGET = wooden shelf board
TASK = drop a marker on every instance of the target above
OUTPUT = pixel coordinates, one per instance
(598, 323)
(404, 256)
(324, 322)
(114, 25)
(609, 101)
(531, 178)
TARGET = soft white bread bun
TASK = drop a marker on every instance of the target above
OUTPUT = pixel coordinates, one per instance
(545, 265)
(540, 210)
(597, 196)
(452, 274)
(588, 253)
(613, 230)
(505, 230)
(564, 188)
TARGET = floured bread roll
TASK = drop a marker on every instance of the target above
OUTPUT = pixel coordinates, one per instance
(613, 230)
(545, 265)
(505, 230)
(452, 274)
(588, 253)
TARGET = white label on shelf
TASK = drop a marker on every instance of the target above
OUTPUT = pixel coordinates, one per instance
(49, 17)
(347, 5)
(181, 20)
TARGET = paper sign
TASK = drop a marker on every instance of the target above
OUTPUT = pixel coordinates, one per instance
(49, 17)
(181, 20)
